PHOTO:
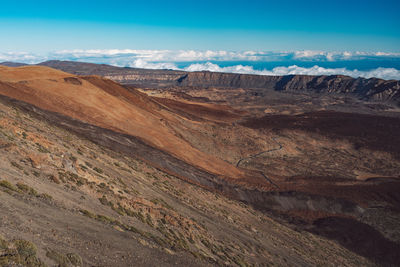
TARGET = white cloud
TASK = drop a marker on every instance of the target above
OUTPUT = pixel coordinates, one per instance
(310, 55)
(383, 73)
(168, 59)
(22, 57)
(143, 64)
(124, 57)
(214, 67)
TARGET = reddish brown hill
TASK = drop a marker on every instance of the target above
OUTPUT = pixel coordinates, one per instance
(107, 104)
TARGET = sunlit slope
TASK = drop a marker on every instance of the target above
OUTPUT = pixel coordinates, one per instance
(106, 104)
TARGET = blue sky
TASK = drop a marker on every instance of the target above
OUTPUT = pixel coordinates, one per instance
(43, 26)
(359, 38)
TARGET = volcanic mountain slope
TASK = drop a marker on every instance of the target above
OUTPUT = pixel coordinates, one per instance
(74, 199)
(142, 77)
(315, 138)
(136, 123)
(290, 157)
(66, 200)
(105, 104)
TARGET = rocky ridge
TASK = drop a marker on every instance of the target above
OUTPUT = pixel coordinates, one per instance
(373, 89)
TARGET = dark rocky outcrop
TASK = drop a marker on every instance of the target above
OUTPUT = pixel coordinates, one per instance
(367, 89)
(12, 64)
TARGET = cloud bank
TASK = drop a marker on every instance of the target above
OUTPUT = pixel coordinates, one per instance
(125, 56)
(383, 73)
(208, 60)
(209, 55)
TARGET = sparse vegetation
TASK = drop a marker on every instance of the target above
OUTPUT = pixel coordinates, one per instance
(83, 167)
(103, 200)
(16, 165)
(88, 213)
(19, 253)
(98, 170)
(75, 259)
(25, 248)
(8, 186)
(23, 188)
(64, 260)
(119, 209)
(159, 201)
(72, 177)
(42, 149)
(27, 189)
(3, 243)
(149, 221)
(60, 259)
(46, 196)
(54, 179)
(105, 219)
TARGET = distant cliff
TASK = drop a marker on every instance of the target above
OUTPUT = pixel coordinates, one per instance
(367, 89)
(12, 64)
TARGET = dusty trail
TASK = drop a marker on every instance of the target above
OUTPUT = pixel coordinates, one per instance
(259, 154)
